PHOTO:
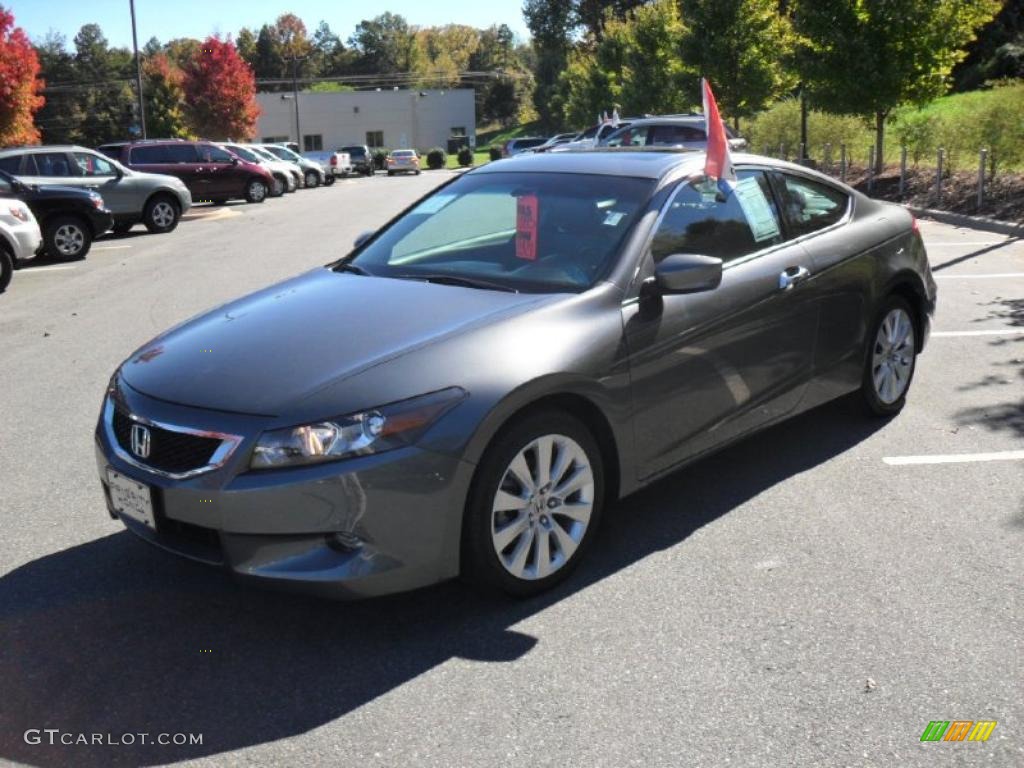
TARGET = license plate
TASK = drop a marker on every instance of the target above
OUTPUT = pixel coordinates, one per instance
(131, 500)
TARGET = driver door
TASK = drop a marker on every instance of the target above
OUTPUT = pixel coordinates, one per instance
(708, 367)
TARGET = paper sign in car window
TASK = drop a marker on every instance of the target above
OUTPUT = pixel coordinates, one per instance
(526, 227)
(755, 207)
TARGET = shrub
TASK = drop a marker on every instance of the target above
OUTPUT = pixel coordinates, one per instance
(465, 157)
(780, 125)
(916, 130)
(380, 156)
(494, 152)
(436, 159)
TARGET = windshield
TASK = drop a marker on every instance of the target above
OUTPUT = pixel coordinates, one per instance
(282, 153)
(402, 153)
(536, 232)
(590, 132)
(354, 151)
(245, 154)
(264, 154)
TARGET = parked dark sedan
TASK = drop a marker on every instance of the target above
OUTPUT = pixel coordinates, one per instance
(69, 218)
(469, 388)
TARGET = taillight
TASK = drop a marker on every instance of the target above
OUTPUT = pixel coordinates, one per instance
(334, 159)
(914, 226)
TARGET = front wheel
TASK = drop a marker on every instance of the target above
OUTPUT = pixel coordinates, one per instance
(161, 214)
(891, 358)
(329, 180)
(255, 191)
(67, 237)
(6, 268)
(534, 505)
(312, 179)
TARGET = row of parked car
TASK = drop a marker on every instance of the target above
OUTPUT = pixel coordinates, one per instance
(683, 130)
(58, 199)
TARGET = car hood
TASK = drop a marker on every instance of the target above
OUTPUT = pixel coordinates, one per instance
(56, 191)
(267, 352)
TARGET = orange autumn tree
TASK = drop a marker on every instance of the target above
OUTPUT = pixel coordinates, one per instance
(220, 92)
(19, 84)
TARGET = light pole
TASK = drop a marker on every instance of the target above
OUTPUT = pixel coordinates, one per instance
(138, 71)
(295, 95)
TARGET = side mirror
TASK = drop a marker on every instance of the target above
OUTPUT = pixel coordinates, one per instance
(363, 238)
(687, 273)
(234, 161)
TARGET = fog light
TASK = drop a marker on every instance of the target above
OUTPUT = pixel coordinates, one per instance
(344, 541)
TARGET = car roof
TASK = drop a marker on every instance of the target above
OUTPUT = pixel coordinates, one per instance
(669, 120)
(46, 148)
(638, 162)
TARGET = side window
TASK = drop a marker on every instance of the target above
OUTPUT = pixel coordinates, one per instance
(179, 153)
(93, 165)
(630, 137)
(729, 222)
(148, 155)
(670, 135)
(211, 154)
(810, 205)
(11, 164)
(5, 186)
(54, 164)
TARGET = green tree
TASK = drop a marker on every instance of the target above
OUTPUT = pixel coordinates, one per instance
(59, 121)
(742, 47)
(635, 67)
(164, 98)
(105, 95)
(384, 44)
(866, 57)
(551, 24)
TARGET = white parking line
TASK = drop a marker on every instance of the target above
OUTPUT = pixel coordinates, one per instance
(955, 458)
(33, 270)
(969, 242)
(110, 247)
(1001, 332)
(978, 277)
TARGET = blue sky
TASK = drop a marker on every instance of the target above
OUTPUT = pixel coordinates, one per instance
(193, 18)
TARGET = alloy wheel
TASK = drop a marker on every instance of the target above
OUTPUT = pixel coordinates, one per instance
(257, 190)
(542, 507)
(69, 239)
(163, 214)
(892, 359)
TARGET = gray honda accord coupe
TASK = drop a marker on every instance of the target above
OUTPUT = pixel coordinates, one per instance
(467, 390)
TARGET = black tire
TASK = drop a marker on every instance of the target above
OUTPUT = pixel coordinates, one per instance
(329, 180)
(280, 185)
(481, 560)
(162, 214)
(417, 173)
(312, 179)
(67, 237)
(122, 227)
(6, 267)
(391, 173)
(880, 403)
(255, 191)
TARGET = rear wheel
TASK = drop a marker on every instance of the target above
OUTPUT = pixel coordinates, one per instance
(891, 358)
(161, 214)
(535, 504)
(312, 179)
(328, 180)
(67, 237)
(255, 191)
(6, 267)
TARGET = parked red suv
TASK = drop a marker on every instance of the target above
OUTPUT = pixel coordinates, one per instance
(211, 173)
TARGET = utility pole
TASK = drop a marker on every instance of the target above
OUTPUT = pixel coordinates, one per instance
(138, 71)
(295, 95)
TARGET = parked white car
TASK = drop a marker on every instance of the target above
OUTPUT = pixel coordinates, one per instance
(312, 172)
(335, 163)
(20, 237)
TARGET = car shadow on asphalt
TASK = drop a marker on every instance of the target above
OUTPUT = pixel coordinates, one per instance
(114, 637)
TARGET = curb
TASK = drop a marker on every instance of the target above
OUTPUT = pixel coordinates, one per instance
(974, 222)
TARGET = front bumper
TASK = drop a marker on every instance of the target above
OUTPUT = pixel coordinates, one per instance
(101, 220)
(361, 527)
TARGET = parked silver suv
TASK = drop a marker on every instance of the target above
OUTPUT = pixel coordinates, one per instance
(156, 200)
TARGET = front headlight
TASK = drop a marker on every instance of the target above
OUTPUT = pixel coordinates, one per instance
(371, 431)
(97, 200)
(20, 211)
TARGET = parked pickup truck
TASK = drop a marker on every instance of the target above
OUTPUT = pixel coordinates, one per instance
(333, 163)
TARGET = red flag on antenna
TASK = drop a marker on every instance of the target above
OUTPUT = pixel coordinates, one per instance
(718, 164)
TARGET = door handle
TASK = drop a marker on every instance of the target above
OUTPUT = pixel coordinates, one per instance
(791, 276)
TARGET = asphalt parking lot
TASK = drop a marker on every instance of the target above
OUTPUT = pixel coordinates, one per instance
(811, 597)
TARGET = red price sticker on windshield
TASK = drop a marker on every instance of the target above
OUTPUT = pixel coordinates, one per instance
(526, 227)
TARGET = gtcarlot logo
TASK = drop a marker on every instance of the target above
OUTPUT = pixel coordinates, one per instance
(54, 736)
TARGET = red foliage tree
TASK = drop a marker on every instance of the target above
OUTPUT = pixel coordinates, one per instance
(19, 84)
(220, 92)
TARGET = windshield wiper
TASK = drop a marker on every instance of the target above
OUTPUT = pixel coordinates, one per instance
(354, 268)
(466, 282)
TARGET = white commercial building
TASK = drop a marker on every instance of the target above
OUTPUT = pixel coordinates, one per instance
(417, 119)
